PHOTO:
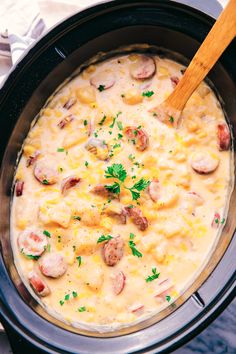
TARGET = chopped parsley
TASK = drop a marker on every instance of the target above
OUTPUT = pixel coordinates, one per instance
(116, 146)
(49, 248)
(131, 157)
(168, 298)
(61, 302)
(74, 294)
(95, 134)
(104, 238)
(171, 119)
(116, 171)
(82, 309)
(132, 246)
(114, 120)
(138, 187)
(86, 163)
(77, 217)
(113, 188)
(147, 94)
(101, 88)
(79, 259)
(30, 256)
(45, 181)
(120, 136)
(119, 125)
(222, 221)
(60, 150)
(103, 120)
(85, 122)
(154, 275)
(216, 220)
(67, 297)
(46, 233)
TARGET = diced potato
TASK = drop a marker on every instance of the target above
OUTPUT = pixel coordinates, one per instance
(90, 216)
(94, 279)
(86, 94)
(59, 213)
(73, 139)
(133, 96)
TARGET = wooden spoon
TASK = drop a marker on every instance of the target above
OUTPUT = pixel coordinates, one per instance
(217, 40)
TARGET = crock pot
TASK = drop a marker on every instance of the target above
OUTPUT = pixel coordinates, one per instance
(106, 27)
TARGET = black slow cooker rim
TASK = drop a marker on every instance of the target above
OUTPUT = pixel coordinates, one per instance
(209, 313)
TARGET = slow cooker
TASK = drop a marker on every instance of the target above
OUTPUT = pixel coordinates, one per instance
(168, 26)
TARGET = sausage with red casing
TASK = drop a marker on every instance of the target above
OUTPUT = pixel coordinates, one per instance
(32, 242)
(223, 135)
(144, 68)
(118, 282)
(138, 136)
(137, 217)
(113, 251)
(45, 173)
(52, 265)
(38, 284)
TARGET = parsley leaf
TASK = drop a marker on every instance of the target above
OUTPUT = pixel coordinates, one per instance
(74, 294)
(61, 302)
(60, 150)
(79, 259)
(85, 122)
(104, 238)
(222, 221)
(45, 181)
(168, 298)
(67, 297)
(133, 248)
(101, 88)
(46, 233)
(76, 217)
(141, 184)
(120, 136)
(82, 309)
(113, 188)
(147, 93)
(119, 125)
(154, 275)
(103, 120)
(171, 119)
(86, 163)
(114, 120)
(116, 171)
(30, 256)
(135, 195)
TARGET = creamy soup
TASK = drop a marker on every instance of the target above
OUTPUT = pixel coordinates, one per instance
(115, 212)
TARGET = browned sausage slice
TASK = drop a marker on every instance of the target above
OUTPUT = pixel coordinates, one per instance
(52, 265)
(204, 162)
(19, 188)
(98, 147)
(70, 102)
(65, 121)
(44, 173)
(103, 80)
(154, 190)
(118, 282)
(38, 284)
(137, 217)
(144, 68)
(68, 183)
(32, 242)
(138, 136)
(174, 80)
(223, 136)
(32, 159)
(113, 251)
(101, 190)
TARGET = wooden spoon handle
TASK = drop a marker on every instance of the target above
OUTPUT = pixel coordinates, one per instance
(219, 37)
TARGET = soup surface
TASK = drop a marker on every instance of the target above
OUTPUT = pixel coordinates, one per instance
(115, 212)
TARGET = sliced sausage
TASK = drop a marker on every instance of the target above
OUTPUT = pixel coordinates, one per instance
(52, 265)
(136, 307)
(103, 80)
(32, 242)
(19, 188)
(44, 173)
(70, 102)
(119, 214)
(138, 136)
(204, 162)
(154, 190)
(174, 81)
(113, 251)
(216, 221)
(137, 217)
(118, 282)
(223, 135)
(144, 68)
(101, 190)
(68, 183)
(164, 287)
(65, 121)
(32, 159)
(98, 147)
(38, 284)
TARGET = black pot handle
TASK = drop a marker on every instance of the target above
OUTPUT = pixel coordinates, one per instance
(212, 8)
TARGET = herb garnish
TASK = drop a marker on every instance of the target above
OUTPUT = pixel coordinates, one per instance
(61, 302)
(171, 119)
(60, 150)
(45, 181)
(85, 122)
(168, 298)
(132, 246)
(67, 297)
(138, 187)
(119, 125)
(154, 275)
(77, 217)
(113, 188)
(104, 238)
(86, 163)
(116, 171)
(147, 93)
(114, 120)
(79, 259)
(101, 88)
(103, 120)
(46, 233)
(120, 136)
(74, 294)
(82, 309)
